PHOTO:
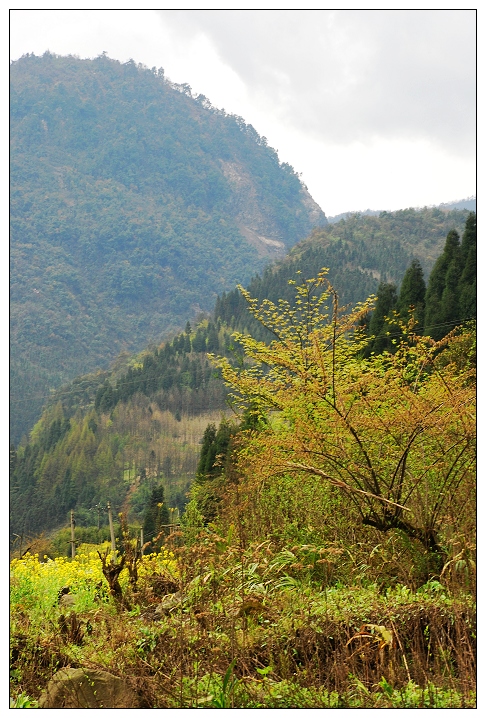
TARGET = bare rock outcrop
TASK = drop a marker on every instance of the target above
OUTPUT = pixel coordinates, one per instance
(87, 688)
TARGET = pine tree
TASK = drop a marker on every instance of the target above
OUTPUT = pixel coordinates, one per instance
(440, 310)
(214, 450)
(468, 280)
(386, 300)
(66, 492)
(213, 339)
(211, 471)
(156, 514)
(222, 445)
(449, 305)
(199, 341)
(412, 294)
(206, 456)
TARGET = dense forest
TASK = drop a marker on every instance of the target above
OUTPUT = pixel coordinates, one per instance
(133, 205)
(115, 435)
(361, 253)
(469, 203)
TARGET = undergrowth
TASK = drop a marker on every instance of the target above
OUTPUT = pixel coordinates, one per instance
(218, 625)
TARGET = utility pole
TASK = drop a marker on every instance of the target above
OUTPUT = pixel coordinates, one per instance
(73, 545)
(112, 532)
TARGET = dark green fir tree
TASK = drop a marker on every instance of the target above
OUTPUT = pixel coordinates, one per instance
(412, 294)
(208, 451)
(442, 296)
(380, 329)
(468, 280)
(212, 468)
(156, 516)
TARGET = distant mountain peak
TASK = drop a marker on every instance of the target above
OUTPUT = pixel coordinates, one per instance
(132, 202)
(468, 203)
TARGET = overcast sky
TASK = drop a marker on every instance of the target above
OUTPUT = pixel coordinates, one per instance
(375, 108)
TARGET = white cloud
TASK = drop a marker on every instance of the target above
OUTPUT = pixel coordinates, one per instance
(375, 108)
(351, 75)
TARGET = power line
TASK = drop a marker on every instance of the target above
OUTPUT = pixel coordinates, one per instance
(70, 392)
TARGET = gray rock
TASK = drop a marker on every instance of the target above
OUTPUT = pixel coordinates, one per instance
(87, 688)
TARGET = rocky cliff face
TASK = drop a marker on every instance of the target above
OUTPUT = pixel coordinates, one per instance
(315, 214)
(256, 220)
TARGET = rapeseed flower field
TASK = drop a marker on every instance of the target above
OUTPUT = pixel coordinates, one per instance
(35, 581)
(232, 629)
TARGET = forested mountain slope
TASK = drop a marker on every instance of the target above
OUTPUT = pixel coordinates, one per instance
(468, 203)
(133, 205)
(113, 435)
(360, 252)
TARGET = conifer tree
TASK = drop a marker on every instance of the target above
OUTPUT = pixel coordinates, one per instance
(468, 280)
(386, 300)
(449, 305)
(212, 340)
(412, 294)
(211, 471)
(67, 494)
(206, 456)
(199, 341)
(156, 514)
(214, 450)
(440, 310)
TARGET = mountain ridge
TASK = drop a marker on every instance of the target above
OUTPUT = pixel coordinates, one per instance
(133, 205)
(468, 203)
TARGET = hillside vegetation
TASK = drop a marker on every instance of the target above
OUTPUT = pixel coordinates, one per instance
(361, 252)
(113, 435)
(259, 497)
(133, 205)
(327, 555)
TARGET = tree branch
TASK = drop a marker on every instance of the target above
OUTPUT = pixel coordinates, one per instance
(341, 484)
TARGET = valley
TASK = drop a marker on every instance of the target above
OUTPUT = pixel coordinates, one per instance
(243, 436)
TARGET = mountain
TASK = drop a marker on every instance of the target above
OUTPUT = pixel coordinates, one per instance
(469, 203)
(113, 435)
(133, 205)
(345, 215)
(360, 252)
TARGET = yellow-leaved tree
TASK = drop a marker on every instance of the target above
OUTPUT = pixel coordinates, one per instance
(394, 432)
